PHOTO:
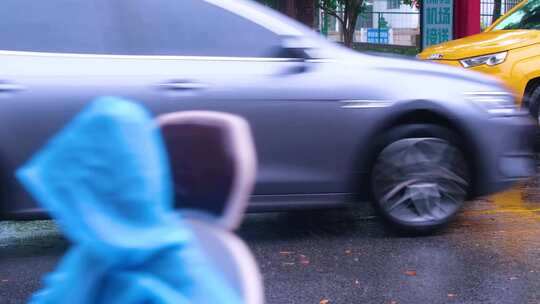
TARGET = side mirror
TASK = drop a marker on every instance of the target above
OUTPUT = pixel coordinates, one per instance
(300, 49)
(297, 47)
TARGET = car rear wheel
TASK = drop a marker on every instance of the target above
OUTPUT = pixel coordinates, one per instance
(419, 184)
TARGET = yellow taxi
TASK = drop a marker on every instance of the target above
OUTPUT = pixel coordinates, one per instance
(508, 49)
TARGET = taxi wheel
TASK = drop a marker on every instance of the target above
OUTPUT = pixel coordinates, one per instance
(534, 102)
(533, 99)
(419, 184)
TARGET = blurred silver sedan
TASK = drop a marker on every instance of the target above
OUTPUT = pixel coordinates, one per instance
(331, 125)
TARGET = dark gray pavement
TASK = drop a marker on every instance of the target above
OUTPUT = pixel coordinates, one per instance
(490, 254)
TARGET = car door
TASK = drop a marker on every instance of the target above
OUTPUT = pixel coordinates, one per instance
(60, 55)
(227, 56)
(55, 57)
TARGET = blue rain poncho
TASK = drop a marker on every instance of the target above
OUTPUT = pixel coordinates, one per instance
(105, 180)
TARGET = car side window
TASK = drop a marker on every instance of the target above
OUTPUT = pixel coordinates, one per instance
(187, 28)
(58, 26)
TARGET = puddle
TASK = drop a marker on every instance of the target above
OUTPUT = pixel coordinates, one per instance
(522, 198)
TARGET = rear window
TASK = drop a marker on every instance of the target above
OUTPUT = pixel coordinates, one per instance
(188, 28)
(65, 26)
(131, 27)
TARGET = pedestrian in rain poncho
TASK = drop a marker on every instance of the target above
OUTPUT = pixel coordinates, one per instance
(105, 180)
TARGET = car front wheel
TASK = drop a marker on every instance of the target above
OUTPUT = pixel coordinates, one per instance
(533, 99)
(419, 184)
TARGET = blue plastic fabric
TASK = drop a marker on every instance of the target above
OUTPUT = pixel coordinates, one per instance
(105, 180)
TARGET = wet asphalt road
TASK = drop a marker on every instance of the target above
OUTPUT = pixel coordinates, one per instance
(490, 254)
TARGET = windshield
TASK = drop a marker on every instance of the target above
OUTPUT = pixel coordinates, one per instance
(525, 18)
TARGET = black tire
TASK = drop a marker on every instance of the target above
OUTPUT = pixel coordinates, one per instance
(420, 183)
(533, 101)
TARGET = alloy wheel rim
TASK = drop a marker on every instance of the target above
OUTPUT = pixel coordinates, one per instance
(420, 180)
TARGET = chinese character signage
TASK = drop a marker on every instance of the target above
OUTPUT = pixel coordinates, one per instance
(438, 16)
(378, 35)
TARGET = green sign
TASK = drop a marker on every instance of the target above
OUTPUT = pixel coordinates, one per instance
(437, 22)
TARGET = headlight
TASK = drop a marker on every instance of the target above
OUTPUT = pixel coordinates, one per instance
(491, 60)
(495, 103)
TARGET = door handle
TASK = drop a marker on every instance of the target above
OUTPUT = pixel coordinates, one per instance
(182, 86)
(6, 87)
